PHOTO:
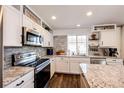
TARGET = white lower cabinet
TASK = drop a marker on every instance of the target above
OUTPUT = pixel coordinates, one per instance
(75, 67)
(62, 65)
(52, 66)
(114, 61)
(26, 81)
(75, 64)
(70, 65)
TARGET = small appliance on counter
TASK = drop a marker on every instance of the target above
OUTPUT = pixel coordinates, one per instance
(49, 51)
(112, 52)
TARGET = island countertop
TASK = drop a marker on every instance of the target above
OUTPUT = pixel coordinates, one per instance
(13, 73)
(104, 76)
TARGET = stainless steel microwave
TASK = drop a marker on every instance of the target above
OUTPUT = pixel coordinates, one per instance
(31, 37)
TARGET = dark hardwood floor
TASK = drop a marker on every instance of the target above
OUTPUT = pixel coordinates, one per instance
(60, 80)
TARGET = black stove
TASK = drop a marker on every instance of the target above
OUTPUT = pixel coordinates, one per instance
(41, 67)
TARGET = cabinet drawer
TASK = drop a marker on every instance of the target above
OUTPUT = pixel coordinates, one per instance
(114, 60)
(119, 63)
(29, 84)
(61, 59)
(80, 60)
(21, 81)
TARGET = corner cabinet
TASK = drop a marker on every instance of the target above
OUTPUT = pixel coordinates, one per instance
(12, 26)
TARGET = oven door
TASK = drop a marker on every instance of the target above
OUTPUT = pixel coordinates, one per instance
(42, 77)
(31, 37)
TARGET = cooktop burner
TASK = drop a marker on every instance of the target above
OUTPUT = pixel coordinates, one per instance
(27, 59)
(35, 63)
(40, 61)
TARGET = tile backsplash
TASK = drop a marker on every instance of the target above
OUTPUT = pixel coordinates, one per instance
(60, 43)
(8, 51)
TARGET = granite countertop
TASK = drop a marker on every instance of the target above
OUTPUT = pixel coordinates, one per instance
(13, 73)
(104, 76)
(78, 56)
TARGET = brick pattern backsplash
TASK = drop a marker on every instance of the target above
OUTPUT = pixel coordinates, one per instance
(8, 51)
(60, 43)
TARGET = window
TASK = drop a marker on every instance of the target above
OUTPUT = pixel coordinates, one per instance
(77, 45)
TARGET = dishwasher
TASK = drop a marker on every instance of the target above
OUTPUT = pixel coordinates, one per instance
(98, 61)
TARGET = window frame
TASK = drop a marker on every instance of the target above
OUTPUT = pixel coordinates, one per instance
(77, 50)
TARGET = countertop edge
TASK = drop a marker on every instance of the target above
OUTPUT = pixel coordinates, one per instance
(31, 69)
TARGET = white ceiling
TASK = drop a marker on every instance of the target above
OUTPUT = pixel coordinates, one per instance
(69, 16)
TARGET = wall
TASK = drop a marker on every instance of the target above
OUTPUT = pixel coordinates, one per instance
(60, 37)
(8, 51)
(1, 47)
(122, 43)
(60, 43)
(71, 31)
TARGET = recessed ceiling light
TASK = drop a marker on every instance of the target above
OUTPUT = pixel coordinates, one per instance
(89, 13)
(53, 18)
(78, 25)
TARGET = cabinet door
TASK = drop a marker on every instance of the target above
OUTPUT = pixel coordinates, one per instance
(75, 67)
(29, 84)
(75, 64)
(48, 39)
(62, 65)
(52, 66)
(12, 26)
(108, 39)
(45, 35)
(51, 40)
(27, 22)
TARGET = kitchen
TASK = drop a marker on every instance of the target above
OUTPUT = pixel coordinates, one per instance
(38, 50)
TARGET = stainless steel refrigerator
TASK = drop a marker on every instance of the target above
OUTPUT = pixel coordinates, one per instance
(1, 44)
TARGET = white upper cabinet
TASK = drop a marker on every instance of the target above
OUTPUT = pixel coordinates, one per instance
(27, 22)
(110, 39)
(12, 26)
(104, 27)
(48, 38)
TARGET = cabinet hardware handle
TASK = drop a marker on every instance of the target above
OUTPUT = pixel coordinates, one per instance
(20, 83)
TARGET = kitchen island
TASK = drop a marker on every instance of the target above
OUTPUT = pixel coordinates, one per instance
(103, 76)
